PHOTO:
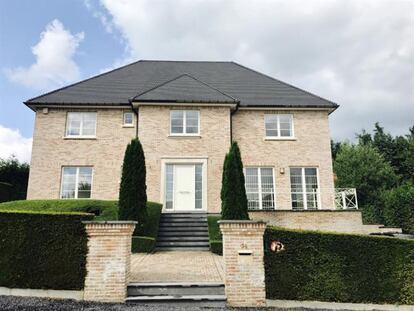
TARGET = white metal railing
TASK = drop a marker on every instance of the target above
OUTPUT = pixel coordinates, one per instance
(346, 198)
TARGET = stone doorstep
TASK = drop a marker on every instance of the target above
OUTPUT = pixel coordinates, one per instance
(42, 293)
(321, 305)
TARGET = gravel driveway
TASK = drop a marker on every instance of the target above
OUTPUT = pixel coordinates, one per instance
(13, 303)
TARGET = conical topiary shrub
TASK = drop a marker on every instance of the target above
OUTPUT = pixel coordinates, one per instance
(133, 189)
(233, 192)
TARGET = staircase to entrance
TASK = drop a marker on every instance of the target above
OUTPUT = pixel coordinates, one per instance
(183, 232)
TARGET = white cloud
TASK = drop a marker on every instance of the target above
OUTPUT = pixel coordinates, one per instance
(54, 65)
(12, 143)
(359, 54)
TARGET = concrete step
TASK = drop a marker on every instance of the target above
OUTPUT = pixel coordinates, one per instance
(174, 289)
(189, 301)
(183, 249)
(183, 215)
(169, 233)
(182, 224)
(183, 229)
(182, 238)
(183, 220)
(182, 243)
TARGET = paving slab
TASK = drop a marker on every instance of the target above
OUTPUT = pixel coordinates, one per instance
(177, 266)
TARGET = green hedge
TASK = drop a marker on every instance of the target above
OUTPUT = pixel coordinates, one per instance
(40, 250)
(143, 244)
(339, 267)
(104, 210)
(5, 191)
(214, 234)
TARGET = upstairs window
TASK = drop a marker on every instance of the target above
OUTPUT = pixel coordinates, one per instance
(81, 124)
(279, 125)
(128, 119)
(185, 122)
(76, 182)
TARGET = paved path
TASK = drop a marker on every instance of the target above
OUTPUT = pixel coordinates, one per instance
(176, 266)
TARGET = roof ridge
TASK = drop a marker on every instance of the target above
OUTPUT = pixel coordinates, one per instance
(178, 77)
(285, 83)
(187, 61)
(82, 81)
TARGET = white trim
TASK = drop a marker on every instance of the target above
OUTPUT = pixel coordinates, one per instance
(184, 160)
(184, 133)
(279, 136)
(259, 185)
(81, 124)
(304, 192)
(195, 104)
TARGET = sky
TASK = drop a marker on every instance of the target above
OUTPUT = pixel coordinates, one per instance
(357, 53)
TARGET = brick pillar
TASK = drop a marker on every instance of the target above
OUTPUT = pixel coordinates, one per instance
(243, 258)
(108, 260)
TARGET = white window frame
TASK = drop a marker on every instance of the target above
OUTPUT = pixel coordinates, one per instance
(279, 137)
(304, 192)
(184, 133)
(124, 124)
(76, 182)
(259, 185)
(81, 125)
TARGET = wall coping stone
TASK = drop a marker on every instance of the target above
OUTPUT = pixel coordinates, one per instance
(242, 222)
(111, 222)
(326, 210)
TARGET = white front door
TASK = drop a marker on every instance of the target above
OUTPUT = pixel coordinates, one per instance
(184, 187)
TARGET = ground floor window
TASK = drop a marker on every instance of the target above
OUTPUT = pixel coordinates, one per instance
(260, 188)
(304, 187)
(76, 182)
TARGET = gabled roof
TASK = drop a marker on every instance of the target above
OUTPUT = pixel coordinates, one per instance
(119, 86)
(184, 88)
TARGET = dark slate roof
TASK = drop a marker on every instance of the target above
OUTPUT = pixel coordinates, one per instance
(119, 86)
(184, 88)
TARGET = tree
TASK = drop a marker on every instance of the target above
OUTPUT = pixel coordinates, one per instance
(233, 192)
(399, 207)
(364, 168)
(335, 147)
(133, 189)
(14, 177)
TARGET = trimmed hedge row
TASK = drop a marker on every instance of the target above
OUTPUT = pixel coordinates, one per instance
(339, 267)
(44, 251)
(214, 235)
(147, 238)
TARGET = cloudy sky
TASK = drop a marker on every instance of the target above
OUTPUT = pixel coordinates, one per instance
(358, 53)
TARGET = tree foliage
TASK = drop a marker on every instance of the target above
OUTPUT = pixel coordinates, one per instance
(233, 192)
(14, 177)
(133, 189)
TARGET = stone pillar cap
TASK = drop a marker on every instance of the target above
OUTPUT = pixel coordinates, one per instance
(111, 222)
(241, 222)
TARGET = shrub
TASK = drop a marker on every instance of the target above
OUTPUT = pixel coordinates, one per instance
(399, 207)
(143, 244)
(214, 235)
(13, 172)
(103, 210)
(6, 190)
(233, 192)
(133, 189)
(42, 250)
(339, 267)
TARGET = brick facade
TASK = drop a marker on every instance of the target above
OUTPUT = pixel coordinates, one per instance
(51, 151)
(243, 260)
(108, 260)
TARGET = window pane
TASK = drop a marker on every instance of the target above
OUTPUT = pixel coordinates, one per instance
(198, 186)
(271, 125)
(128, 118)
(68, 182)
(177, 122)
(285, 123)
(169, 171)
(73, 124)
(191, 122)
(252, 188)
(304, 196)
(84, 182)
(267, 188)
(88, 123)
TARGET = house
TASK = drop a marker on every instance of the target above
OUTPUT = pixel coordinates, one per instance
(186, 114)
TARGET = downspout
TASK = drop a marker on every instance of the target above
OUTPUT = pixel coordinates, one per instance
(231, 122)
(136, 118)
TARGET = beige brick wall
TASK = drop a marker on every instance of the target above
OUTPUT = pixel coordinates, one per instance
(311, 148)
(243, 263)
(51, 151)
(108, 260)
(214, 142)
